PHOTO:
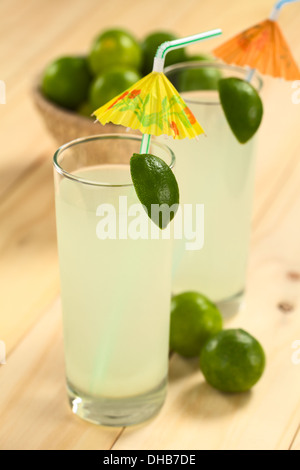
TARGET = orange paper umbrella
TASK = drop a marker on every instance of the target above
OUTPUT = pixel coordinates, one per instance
(262, 47)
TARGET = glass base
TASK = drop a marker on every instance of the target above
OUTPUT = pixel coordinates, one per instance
(117, 411)
(231, 306)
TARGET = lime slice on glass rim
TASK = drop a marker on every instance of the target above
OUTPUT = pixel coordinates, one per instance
(155, 185)
(242, 106)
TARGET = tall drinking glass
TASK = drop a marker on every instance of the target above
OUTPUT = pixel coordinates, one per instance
(218, 172)
(115, 283)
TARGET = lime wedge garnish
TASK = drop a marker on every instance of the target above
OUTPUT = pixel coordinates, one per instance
(242, 106)
(156, 187)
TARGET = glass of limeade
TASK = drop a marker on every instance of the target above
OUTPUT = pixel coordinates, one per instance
(218, 172)
(115, 283)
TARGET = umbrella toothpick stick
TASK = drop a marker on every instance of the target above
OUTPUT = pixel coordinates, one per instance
(159, 62)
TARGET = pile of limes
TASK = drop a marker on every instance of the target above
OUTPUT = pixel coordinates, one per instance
(115, 62)
(231, 360)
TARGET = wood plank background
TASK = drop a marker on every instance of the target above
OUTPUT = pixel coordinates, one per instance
(33, 407)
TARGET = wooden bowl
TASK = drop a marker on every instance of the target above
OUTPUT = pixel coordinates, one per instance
(65, 125)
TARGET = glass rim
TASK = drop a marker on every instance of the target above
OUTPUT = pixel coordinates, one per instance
(196, 64)
(112, 136)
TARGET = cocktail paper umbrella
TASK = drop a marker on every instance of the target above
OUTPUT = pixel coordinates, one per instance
(153, 105)
(262, 47)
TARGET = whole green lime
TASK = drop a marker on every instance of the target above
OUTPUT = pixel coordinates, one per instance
(232, 361)
(194, 319)
(199, 78)
(242, 106)
(66, 81)
(149, 47)
(205, 78)
(114, 47)
(110, 84)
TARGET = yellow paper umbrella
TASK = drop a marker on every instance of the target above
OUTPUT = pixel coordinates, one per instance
(262, 47)
(153, 105)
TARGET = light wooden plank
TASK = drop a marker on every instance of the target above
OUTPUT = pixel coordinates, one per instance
(35, 30)
(296, 442)
(28, 253)
(277, 147)
(13, 13)
(34, 409)
(22, 145)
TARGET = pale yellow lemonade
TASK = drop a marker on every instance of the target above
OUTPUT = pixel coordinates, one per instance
(216, 171)
(115, 317)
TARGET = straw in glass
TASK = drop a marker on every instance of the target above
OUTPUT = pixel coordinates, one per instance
(159, 62)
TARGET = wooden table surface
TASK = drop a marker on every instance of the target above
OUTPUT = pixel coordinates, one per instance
(33, 406)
